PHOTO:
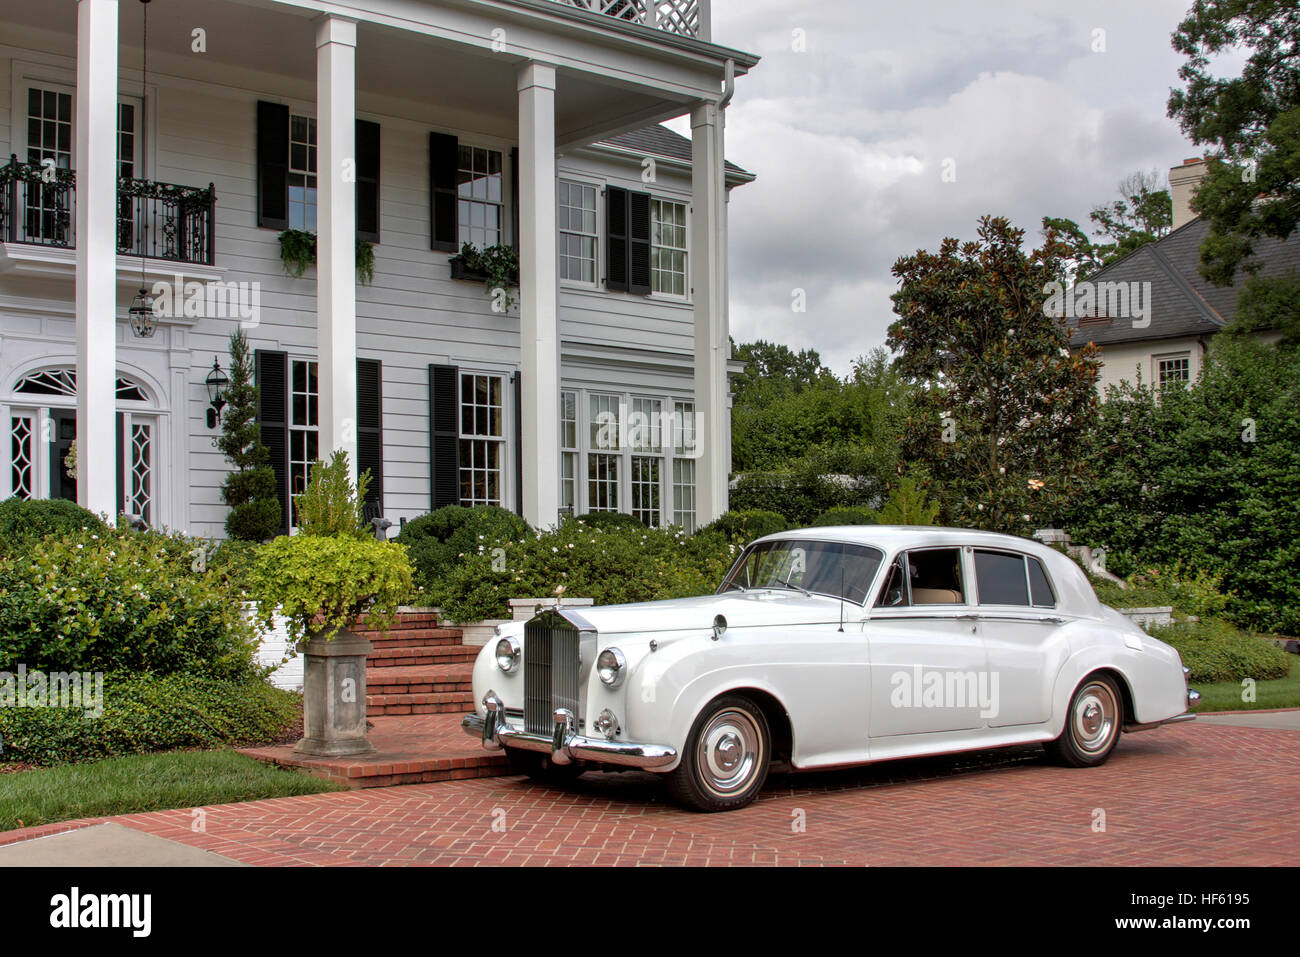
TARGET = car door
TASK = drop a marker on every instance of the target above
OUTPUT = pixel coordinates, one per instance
(1021, 631)
(927, 660)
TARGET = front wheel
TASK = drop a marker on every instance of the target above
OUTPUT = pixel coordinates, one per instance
(726, 758)
(1092, 725)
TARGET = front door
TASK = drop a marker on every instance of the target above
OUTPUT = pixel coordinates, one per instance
(62, 433)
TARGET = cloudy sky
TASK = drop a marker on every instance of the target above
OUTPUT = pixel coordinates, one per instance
(849, 139)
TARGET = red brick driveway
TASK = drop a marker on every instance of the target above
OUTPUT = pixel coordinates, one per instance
(1190, 794)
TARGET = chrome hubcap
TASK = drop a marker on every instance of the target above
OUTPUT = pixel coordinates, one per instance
(1095, 717)
(729, 752)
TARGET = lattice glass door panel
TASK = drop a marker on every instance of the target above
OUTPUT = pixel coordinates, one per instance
(141, 474)
(22, 456)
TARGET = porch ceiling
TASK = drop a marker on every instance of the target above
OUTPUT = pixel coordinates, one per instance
(603, 88)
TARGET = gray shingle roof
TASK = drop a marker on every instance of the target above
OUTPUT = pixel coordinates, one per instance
(659, 141)
(1182, 303)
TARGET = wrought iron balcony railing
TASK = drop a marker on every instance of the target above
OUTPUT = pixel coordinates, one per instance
(688, 18)
(154, 220)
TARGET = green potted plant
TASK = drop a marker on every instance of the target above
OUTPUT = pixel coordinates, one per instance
(298, 251)
(497, 267)
(323, 580)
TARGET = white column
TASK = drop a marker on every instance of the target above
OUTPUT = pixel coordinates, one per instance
(95, 160)
(709, 281)
(336, 236)
(539, 340)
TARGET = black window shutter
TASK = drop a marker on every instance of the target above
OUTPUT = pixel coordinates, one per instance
(638, 242)
(514, 198)
(368, 181)
(517, 380)
(443, 152)
(272, 373)
(272, 165)
(370, 428)
(616, 238)
(444, 436)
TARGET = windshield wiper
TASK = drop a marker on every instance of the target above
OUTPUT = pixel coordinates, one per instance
(734, 584)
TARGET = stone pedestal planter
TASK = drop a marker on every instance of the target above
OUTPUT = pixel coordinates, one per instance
(334, 696)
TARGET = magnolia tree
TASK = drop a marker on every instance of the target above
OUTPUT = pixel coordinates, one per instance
(1003, 410)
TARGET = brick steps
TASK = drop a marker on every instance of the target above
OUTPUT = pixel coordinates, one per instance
(418, 687)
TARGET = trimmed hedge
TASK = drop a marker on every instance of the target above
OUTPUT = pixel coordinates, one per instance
(612, 521)
(846, 516)
(119, 600)
(440, 540)
(744, 526)
(1214, 650)
(150, 713)
(24, 521)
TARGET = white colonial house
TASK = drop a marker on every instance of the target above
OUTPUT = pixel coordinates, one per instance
(167, 145)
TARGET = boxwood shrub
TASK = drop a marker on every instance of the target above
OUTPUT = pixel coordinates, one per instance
(622, 565)
(745, 526)
(151, 713)
(437, 541)
(119, 600)
(846, 516)
(23, 521)
(1215, 650)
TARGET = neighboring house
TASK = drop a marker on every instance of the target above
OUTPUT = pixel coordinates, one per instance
(525, 123)
(1154, 314)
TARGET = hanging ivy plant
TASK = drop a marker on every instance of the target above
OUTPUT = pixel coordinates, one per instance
(497, 266)
(298, 251)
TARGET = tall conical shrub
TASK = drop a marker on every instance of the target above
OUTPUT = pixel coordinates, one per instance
(250, 489)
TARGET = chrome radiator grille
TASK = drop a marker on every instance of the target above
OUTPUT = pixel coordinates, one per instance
(550, 671)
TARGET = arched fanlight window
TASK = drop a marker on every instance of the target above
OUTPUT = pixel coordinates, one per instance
(64, 382)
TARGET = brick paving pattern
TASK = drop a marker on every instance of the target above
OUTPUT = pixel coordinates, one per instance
(1189, 794)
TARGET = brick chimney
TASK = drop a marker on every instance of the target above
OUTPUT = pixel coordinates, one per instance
(1182, 184)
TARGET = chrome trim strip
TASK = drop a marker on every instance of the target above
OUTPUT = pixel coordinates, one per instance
(575, 747)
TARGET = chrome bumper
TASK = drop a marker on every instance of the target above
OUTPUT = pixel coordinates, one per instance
(564, 745)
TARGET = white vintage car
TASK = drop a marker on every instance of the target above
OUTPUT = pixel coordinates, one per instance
(827, 647)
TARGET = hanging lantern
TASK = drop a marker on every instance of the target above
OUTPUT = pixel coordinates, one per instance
(142, 316)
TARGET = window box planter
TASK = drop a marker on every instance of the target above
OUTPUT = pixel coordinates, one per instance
(459, 270)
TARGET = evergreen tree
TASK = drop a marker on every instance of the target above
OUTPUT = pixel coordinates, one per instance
(250, 489)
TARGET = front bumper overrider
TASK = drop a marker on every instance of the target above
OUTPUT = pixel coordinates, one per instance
(564, 744)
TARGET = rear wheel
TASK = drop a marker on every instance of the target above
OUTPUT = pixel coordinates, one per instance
(726, 758)
(541, 768)
(1092, 725)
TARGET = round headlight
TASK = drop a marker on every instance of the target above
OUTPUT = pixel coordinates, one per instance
(610, 665)
(508, 655)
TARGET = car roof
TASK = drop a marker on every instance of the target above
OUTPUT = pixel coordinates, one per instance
(894, 537)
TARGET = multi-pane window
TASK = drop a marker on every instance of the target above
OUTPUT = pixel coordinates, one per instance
(304, 427)
(569, 453)
(645, 488)
(49, 137)
(602, 482)
(302, 173)
(684, 493)
(684, 465)
(479, 196)
(482, 439)
(577, 231)
(1174, 369)
(125, 170)
(602, 422)
(668, 247)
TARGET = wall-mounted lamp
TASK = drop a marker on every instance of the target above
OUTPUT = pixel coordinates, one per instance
(216, 383)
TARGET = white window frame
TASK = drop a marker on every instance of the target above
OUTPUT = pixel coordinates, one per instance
(685, 249)
(291, 428)
(598, 191)
(501, 441)
(1156, 361)
(464, 228)
(312, 144)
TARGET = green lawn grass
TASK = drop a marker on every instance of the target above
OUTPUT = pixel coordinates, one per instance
(1226, 695)
(144, 782)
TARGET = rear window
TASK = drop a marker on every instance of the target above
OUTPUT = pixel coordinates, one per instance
(1040, 589)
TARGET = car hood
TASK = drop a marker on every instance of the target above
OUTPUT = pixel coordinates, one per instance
(770, 607)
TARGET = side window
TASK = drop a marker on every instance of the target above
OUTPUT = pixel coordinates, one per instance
(1001, 578)
(1040, 589)
(893, 593)
(934, 576)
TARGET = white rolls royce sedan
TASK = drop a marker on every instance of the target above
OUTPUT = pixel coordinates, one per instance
(827, 647)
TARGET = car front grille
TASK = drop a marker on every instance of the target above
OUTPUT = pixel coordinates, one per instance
(551, 662)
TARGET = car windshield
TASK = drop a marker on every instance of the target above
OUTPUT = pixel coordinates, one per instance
(836, 569)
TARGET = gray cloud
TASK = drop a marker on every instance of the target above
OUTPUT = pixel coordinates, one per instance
(849, 140)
